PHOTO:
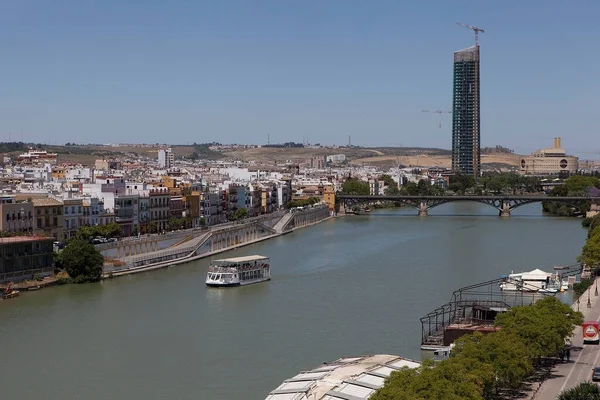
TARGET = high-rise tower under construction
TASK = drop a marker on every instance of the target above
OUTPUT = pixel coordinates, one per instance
(466, 158)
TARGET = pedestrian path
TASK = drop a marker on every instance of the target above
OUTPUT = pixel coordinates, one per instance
(583, 358)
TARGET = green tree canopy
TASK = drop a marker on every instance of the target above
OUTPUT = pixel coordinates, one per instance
(543, 326)
(590, 253)
(583, 391)
(109, 230)
(81, 261)
(578, 183)
(505, 352)
(240, 213)
(460, 183)
(448, 380)
(356, 187)
(391, 187)
(303, 202)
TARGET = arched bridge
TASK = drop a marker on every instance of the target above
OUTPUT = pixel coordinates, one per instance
(504, 204)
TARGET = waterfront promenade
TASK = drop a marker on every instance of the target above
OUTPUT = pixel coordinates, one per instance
(218, 239)
(579, 369)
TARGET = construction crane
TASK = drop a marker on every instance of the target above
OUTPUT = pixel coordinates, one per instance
(438, 112)
(474, 28)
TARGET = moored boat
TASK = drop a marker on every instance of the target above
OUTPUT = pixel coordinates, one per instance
(10, 295)
(238, 271)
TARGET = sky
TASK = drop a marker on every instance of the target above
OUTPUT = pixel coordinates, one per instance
(239, 71)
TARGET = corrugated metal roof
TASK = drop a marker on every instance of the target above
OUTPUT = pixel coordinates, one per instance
(355, 378)
(355, 390)
(371, 379)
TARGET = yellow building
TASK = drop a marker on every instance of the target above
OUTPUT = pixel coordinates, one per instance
(329, 197)
(58, 172)
(551, 161)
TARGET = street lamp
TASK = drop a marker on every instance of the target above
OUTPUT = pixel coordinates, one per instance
(596, 291)
(578, 304)
(589, 303)
(22, 213)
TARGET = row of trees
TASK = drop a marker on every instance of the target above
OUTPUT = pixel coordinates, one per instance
(590, 254)
(111, 230)
(304, 202)
(484, 366)
(461, 184)
(576, 185)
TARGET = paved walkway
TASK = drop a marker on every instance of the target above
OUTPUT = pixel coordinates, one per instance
(568, 374)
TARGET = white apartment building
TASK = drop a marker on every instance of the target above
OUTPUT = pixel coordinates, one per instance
(166, 158)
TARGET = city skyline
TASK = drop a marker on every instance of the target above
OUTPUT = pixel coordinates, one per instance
(240, 73)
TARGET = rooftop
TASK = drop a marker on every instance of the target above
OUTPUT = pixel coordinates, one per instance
(355, 378)
(242, 259)
(19, 239)
(45, 202)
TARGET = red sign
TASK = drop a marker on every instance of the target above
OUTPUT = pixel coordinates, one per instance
(590, 331)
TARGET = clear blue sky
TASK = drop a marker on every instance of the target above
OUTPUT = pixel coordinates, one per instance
(111, 71)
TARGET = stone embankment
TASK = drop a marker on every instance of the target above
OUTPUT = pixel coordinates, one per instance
(157, 252)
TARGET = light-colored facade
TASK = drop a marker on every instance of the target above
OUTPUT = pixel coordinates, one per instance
(15, 217)
(48, 218)
(127, 213)
(551, 161)
(166, 158)
(336, 158)
(159, 207)
(73, 216)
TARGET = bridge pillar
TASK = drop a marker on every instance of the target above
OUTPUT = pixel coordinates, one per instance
(505, 210)
(423, 209)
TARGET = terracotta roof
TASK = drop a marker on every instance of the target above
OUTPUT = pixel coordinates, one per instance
(45, 202)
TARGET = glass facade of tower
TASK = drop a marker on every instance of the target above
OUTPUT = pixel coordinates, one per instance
(466, 157)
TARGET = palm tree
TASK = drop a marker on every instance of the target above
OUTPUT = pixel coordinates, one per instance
(583, 391)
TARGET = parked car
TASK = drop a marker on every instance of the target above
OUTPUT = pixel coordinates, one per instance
(596, 374)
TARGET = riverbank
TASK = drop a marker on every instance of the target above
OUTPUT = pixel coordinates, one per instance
(319, 305)
(220, 241)
(186, 259)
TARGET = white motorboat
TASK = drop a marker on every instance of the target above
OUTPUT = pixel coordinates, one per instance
(532, 281)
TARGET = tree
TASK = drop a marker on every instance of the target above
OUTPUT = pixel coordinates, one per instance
(543, 326)
(583, 391)
(590, 253)
(151, 227)
(460, 183)
(391, 187)
(240, 213)
(495, 184)
(82, 261)
(356, 187)
(505, 352)
(174, 224)
(578, 183)
(448, 380)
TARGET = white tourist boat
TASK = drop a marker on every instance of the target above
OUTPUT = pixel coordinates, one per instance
(238, 271)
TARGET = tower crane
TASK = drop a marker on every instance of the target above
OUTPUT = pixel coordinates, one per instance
(438, 112)
(474, 28)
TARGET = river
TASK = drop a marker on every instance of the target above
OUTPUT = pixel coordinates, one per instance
(348, 286)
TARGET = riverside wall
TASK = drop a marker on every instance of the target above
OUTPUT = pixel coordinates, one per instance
(218, 240)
